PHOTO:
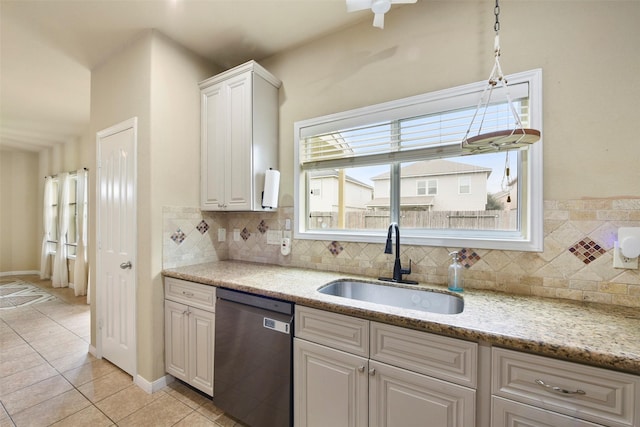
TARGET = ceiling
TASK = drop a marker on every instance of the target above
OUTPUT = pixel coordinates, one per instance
(48, 47)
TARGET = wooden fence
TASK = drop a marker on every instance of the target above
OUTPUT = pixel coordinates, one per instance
(467, 220)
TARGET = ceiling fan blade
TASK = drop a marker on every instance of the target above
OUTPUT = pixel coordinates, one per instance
(378, 20)
(355, 5)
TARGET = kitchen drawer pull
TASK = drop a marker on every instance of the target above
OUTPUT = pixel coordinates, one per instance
(560, 390)
(189, 294)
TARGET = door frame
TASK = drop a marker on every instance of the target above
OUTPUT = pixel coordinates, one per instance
(131, 123)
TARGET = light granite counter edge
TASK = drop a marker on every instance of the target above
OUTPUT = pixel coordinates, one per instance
(595, 334)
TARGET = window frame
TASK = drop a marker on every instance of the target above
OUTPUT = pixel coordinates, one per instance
(423, 187)
(530, 235)
(467, 179)
(435, 187)
(53, 242)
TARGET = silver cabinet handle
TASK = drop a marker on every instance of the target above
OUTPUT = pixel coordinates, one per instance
(560, 390)
(125, 265)
(361, 368)
(372, 371)
(188, 294)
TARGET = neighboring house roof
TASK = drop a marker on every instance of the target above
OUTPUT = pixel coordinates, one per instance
(435, 167)
(334, 174)
(383, 202)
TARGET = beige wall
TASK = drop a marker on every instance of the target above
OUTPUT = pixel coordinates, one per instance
(174, 178)
(19, 212)
(588, 52)
(155, 80)
(21, 194)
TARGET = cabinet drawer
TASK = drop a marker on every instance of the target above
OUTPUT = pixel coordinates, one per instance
(605, 396)
(441, 357)
(190, 293)
(334, 330)
(506, 413)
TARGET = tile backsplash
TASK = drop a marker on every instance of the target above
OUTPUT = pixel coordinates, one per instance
(577, 262)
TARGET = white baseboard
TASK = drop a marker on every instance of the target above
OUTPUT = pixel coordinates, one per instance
(93, 351)
(19, 273)
(152, 387)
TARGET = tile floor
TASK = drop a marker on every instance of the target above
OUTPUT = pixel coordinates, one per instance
(48, 377)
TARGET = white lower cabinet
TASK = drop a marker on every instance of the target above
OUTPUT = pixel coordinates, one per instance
(532, 390)
(330, 386)
(398, 397)
(189, 332)
(340, 383)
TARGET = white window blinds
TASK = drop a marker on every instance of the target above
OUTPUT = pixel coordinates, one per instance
(405, 129)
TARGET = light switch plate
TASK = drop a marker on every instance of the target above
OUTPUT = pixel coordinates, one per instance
(222, 234)
(236, 234)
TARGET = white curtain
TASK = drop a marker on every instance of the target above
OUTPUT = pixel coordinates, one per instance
(60, 271)
(80, 270)
(47, 217)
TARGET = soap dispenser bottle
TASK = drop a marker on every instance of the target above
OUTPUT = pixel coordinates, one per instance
(456, 282)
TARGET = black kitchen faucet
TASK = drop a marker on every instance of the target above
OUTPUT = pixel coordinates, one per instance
(398, 271)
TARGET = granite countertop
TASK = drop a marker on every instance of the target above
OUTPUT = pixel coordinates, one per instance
(597, 334)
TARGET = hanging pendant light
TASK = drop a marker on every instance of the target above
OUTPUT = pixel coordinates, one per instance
(507, 139)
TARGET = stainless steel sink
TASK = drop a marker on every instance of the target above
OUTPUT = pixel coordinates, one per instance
(413, 299)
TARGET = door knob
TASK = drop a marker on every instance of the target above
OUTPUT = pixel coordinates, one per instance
(125, 265)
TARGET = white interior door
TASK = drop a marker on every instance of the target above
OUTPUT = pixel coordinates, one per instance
(116, 275)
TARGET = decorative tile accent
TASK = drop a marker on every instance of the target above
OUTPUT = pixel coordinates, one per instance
(245, 234)
(202, 227)
(335, 248)
(178, 236)
(468, 257)
(262, 227)
(513, 272)
(586, 250)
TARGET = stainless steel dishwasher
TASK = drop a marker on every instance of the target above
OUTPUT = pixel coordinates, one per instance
(253, 359)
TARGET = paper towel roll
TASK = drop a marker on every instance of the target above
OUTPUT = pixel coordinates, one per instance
(271, 186)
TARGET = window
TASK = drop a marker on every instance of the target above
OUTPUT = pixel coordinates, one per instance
(432, 187)
(402, 162)
(464, 185)
(425, 188)
(72, 233)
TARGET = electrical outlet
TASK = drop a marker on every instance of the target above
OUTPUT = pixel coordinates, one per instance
(236, 234)
(222, 234)
(620, 261)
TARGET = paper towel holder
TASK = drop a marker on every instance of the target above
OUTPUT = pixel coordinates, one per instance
(271, 187)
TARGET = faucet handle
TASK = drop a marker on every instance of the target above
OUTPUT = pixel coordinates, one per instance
(406, 271)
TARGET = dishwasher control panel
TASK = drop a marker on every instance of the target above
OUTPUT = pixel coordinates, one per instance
(276, 325)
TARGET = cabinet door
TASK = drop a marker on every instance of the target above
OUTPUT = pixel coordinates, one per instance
(176, 331)
(330, 387)
(239, 175)
(213, 143)
(201, 334)
(403, 398)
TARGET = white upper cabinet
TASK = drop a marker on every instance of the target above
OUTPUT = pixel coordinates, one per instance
(239, 137)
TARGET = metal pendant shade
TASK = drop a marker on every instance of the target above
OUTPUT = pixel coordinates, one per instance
(517, 137)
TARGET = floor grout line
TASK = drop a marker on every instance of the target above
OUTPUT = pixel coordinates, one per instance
(51, 315)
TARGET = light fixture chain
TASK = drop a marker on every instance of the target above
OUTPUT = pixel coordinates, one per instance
(496, 12)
